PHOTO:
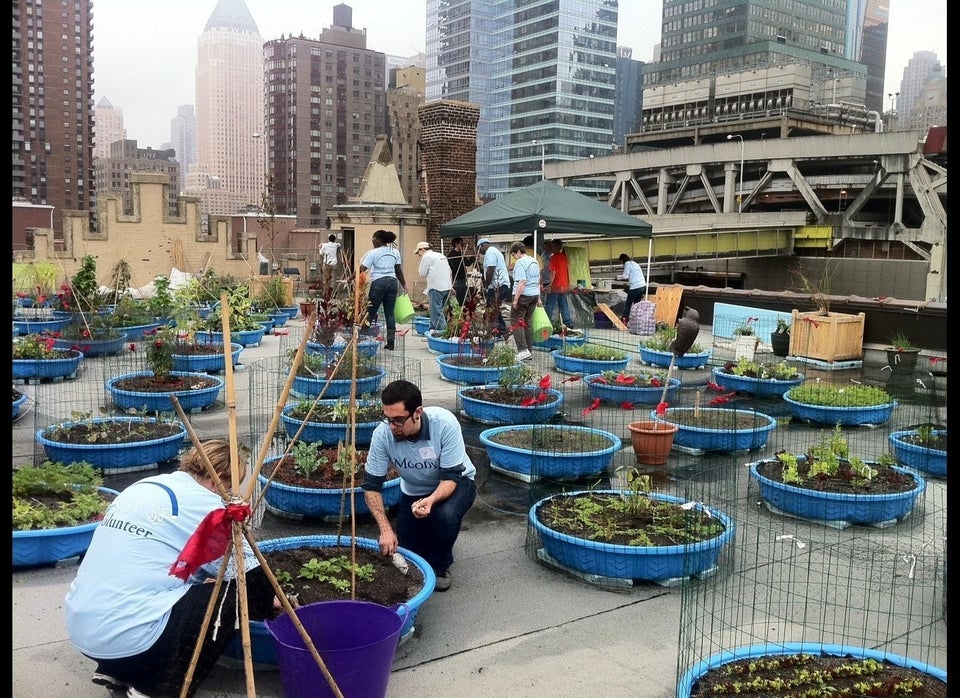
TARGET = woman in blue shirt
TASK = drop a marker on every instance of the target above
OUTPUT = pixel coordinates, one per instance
(386, 280)
(526, 298)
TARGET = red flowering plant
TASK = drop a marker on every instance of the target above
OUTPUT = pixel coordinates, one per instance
(35, 346)
(518, 385)
(160, 344)
(471, 323)
(641, 379)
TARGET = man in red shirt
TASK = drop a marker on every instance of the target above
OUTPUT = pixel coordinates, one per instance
(557, 285)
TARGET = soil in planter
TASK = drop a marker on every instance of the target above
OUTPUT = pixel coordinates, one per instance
(324, 477)
(545, 438)
(164, 384)
(121, 432)
(604, 518)
(938, 442)
(712, 418)
(503, 396)
(470, 361)
(886, 481)
(198, 349)
(388, 586)
(833, 676)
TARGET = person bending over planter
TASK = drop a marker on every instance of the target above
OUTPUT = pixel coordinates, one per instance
(139, 598)
(425, 445)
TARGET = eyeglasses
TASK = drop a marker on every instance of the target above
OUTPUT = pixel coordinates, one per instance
(396, 421)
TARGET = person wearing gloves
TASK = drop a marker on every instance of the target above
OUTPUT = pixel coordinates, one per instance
(496, 281)
(435, 268)
(141, 593)
(386, 280)
(425, 445)
(526, 297)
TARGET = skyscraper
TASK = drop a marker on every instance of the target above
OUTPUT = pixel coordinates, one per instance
(229, 173)
(183, 136)
(542, 72)
(920, 67)
(53, 109)
(326, 102)
(108, 128)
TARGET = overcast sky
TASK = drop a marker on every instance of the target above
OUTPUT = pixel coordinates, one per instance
(145, 52)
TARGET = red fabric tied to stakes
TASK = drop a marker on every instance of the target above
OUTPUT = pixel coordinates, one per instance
(209, 541)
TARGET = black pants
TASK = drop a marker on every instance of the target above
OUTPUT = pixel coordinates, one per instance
(159, 672)
(633, 295)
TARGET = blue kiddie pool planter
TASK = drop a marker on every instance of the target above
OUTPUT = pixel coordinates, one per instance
(468, 375)
(48, 368)
(134, 454)
(559, 342)
(572, 364)
(18, 404)
(725, 439)
(529, 464)
(846, 416)
(49, 545)
(365, 347)
(304, 386)
(296, 502)
(837, 506)
(93, 347)
(421, 323)
(931, 461)
(198, 363)
(23, 326)
(619, 394)
(648, 563)
(690, 677)
(655, 357)
(262, 643)
(136, 333)
(245, 338)
(137, 400)
(444, 345)
(766, 387)
(501, 413)
(327, 433)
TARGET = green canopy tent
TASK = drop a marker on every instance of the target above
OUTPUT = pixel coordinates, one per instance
(546, 208)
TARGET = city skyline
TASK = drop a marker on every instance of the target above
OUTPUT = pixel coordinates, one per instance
(124, 62)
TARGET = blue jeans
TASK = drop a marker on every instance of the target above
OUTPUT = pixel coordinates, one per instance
(432, 538)
(634, 295)
(438, 299)
(555, 300)
(383, 292)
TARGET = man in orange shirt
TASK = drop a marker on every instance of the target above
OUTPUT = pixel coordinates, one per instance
(558, 283)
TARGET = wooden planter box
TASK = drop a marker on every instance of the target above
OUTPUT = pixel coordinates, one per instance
(833, 337)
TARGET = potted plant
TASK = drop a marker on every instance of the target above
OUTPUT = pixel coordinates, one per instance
(829, 483)
(826, 403)
(765, 380)
(652, 440)
(245, 329)
(316, 568)
(562, 336)
(478, 369)
(780, 338)
(468, 328)
(94, 335)
(822, 334)
(630, 533)
(134, 318)
(717, 429)
(922, 448)
(35, 358)
(823, 670)
(193, 356)
(629, 389)
(117, 444)
(745, 340)
(332, 421)
(902, 354)
(19, 402)
(530, 452)
(56, 507)
(589, 358)
(655, 351)
(150, 391)
(333, 377)
(315, 480)
(519, 397)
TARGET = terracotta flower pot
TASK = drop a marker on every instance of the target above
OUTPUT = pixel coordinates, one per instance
(652, 441)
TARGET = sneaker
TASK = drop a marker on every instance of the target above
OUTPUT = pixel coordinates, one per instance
(134, 693)
(110, 682)
(444, 580)
(524, 355)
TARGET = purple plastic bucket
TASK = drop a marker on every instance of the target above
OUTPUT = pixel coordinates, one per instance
(355, 639)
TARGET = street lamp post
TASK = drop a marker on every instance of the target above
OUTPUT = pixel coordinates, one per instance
(731, 136)
(543, 155)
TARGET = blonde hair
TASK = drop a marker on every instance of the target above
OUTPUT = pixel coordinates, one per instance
(218, 453)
